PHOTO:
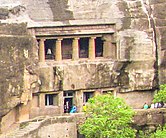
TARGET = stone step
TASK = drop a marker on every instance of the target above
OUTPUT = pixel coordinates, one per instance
(21, 132)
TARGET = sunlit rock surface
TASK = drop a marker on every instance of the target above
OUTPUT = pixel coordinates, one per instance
(140, 38)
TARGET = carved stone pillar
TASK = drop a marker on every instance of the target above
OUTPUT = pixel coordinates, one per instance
(92, 48)
(61, 102)
(58, 52)
(75, 48)
(41, 50)
(41, 100)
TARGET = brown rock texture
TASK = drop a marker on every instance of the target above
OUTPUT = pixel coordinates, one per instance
(16, 62)
(140, 39)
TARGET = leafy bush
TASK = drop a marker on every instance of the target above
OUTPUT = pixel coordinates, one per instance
(107, 117)
(160, 133)
(161, 94)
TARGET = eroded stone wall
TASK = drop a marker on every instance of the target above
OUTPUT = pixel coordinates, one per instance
(128, 76)
(67, 126)
(159, 14)
(139, 38)
(16, 56)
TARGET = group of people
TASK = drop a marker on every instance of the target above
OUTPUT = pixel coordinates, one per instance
(154, 105)
(73, 109)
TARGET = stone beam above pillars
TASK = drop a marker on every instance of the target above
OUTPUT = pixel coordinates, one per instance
(58, 52)
(41, 50)
(92, 48)
(75, 48)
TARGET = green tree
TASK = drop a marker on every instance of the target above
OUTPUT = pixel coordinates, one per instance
(107, 117)
(161, 94)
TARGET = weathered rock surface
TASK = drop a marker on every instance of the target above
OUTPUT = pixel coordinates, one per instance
(129, 76)
(140, 39)
(16, 66)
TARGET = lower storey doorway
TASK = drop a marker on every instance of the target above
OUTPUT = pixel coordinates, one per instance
(68, 101)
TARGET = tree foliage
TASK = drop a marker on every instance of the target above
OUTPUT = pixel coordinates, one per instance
(161, 94)
(160, 133)
(107, 117)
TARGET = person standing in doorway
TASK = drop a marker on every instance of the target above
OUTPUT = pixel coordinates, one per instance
(74, 109)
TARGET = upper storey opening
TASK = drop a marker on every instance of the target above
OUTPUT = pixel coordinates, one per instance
(76, 42)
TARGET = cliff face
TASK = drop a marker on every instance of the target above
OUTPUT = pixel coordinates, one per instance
(16, 67)
(140, 27)
(140, 38)
(158, 14)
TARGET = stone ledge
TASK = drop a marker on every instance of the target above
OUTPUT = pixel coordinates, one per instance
(150, 117)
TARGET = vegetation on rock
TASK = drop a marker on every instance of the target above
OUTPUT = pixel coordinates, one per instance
(160, 133)
(161, 94)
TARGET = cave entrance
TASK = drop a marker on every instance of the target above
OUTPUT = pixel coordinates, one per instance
(51, 100)
(99, 47)
(49, 49)
(68, 100)
(67, 49)
(87, 96)
(83, 47)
